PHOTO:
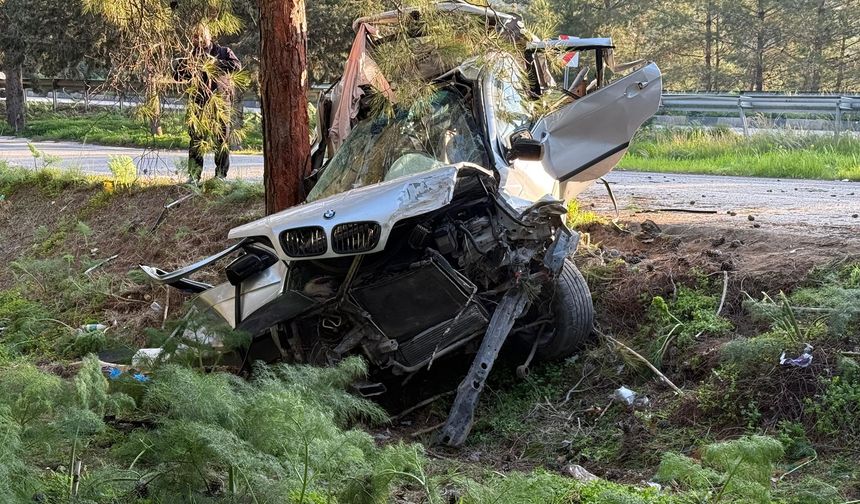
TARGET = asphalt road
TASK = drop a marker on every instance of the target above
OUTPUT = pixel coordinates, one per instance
(797, 205)
(807, 206)
(94, 158)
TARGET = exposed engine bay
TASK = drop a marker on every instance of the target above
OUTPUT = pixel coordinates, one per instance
(429, 293)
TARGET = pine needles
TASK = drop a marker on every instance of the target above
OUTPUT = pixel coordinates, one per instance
(280, 437)
(738, 470)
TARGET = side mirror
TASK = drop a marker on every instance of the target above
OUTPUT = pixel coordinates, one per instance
(523, 146)
(249, 264)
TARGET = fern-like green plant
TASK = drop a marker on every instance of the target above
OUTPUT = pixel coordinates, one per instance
(738, 470)
(124, 171)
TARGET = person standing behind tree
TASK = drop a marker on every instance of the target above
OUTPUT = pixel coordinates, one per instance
(210, 100)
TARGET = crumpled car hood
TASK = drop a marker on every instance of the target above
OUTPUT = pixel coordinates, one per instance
(385, 203)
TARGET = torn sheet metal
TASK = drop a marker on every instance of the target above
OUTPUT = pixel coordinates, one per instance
(360, 70)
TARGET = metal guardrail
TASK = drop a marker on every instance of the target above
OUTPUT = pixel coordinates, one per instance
(835, 106)
(91, 88)
(818, 105)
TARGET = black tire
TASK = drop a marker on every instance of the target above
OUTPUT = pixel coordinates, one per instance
(573, 312)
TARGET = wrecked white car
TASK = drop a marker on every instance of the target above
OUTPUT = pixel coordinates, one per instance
(437, 228)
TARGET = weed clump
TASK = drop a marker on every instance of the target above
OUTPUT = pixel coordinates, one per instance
(675, 325)
(124, 171)
(739, 470)
(234, 191)
(837, 409)
(578, 217)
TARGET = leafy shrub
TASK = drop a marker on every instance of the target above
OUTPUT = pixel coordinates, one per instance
(15, 476)
(830, 299)
(29, 394)
(793, 438)
(752, 356)
(838, 409)
(233, 191)
(278, 437)
(678, 323)
(808, 490)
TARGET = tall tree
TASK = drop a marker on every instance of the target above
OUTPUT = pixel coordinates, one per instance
(46, 36)
(284, 87)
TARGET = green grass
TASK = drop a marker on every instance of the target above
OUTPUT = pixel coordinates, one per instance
(719, 151)
(123, 129)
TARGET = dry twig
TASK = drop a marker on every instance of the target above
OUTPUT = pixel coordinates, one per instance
(635, 354)
(725, 290)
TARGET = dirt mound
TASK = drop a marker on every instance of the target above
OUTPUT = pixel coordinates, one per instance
(87, 226)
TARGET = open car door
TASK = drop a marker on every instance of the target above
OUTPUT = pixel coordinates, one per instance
(585, 139)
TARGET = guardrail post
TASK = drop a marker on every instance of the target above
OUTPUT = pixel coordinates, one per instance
(838, 116)
(743, 116)
(54, 93)
(86, 96)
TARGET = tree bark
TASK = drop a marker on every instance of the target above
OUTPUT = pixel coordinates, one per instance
(709, 40)
(817, 49)
(284, 87)
(15, 104)
(840, 69)
(716, 74)
(153, 104)
(758, 71)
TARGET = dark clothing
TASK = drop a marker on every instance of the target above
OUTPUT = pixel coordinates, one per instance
(226, 62)
(221, 145)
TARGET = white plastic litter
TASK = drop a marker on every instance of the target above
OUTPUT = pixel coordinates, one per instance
(626, 395)
(801, 361)
(92, 327)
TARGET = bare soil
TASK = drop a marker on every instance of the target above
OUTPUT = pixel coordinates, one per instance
(34, 224)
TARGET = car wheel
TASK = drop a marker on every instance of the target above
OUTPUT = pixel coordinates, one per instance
(573, 314)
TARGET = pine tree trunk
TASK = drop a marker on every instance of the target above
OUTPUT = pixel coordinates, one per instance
(709, 38)
(284, 87)
(840, 70)
(817, 56)
(717, 53)
(15, 104)
(758, 71)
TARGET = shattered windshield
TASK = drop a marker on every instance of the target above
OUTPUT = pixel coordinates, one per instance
(415, 139)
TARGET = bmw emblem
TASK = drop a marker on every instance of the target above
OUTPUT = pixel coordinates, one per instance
(329, 214)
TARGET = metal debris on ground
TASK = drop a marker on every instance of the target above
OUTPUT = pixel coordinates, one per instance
(100, 264)
(167, 207)
(579, 473)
